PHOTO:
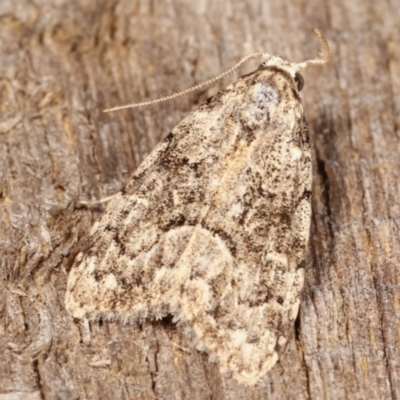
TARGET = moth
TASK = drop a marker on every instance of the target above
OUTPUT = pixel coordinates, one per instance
(213, 226)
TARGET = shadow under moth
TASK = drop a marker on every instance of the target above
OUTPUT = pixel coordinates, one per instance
(213, 226)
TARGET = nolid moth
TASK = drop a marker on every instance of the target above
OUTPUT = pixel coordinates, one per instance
(213, 226)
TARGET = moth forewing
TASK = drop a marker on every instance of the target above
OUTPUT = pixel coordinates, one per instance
(213, 227)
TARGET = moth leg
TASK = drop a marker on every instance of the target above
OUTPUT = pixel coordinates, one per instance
(94, 203)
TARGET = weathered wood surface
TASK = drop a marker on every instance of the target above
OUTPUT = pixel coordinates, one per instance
(62, 62)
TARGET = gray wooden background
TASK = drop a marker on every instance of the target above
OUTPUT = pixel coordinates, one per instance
(62, 62)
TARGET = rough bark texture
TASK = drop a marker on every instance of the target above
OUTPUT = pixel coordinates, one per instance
(62, 62)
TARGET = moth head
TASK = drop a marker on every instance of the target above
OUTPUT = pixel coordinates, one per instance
(286, 67)
(294, 68)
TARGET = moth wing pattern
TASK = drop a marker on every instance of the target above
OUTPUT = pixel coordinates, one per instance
(212, 228)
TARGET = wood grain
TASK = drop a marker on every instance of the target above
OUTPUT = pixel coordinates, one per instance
(63, 62)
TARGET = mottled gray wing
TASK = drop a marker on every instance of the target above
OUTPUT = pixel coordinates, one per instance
(212, 228)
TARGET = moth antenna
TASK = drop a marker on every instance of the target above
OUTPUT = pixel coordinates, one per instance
(325, 52)
(193, 88)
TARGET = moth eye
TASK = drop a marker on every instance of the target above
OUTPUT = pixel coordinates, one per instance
(263, 64)
(299, 81)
